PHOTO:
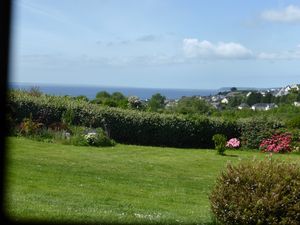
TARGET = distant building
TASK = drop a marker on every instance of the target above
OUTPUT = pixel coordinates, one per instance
(297, 104)
(217, 98)
(224, 101)
(243, 106)
(264, 106)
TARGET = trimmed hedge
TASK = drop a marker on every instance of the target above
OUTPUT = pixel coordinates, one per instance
(124, 126)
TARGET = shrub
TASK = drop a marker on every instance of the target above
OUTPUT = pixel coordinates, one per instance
(258, 192)
(253, 131)
(77, 140)
(233, 143)
(278, 143)
(220, 142)
(98, 138)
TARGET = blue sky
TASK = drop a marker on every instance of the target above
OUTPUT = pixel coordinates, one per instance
(199, 44)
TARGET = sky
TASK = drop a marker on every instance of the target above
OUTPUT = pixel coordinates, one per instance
(197, 44)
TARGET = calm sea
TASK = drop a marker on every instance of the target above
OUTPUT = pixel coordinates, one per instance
(90, 91)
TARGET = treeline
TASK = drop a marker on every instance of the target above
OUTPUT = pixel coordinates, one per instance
(195, 105)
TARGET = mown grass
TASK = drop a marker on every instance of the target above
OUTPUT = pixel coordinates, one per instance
(121, 184)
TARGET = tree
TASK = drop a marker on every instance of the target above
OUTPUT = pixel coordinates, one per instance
(156, 102)
(253, 98)
(268, 98)
(233, 89)
(235, 101)
(102, 94)
(190, 105)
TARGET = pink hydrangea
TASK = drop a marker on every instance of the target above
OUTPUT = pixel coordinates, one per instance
(278, 143)
(233, 143)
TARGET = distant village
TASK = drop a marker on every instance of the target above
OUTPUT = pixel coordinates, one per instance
(220, 100)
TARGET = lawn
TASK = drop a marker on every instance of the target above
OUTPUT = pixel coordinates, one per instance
(126, 184)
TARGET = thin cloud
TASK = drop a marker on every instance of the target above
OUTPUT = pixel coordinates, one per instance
(147, 38)
(194, 48)
(289, 14)
(285, 55)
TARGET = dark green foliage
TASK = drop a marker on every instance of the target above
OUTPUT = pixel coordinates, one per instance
(102, 95)
(268, 98)
(192, 105)
(258, 192)
(253, 131)
(125, 126)
(220, 143)
(235, 101)
(253, 98)
(157, 102)
(116, 99)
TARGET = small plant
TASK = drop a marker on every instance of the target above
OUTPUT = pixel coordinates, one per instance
(278, 143)
(220, 142)
(98, 138)
(29, 127)
(233, 143)
(35, 91)
(59, 126)
(258, 192)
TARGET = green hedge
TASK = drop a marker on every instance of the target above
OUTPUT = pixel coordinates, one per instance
(124, 126)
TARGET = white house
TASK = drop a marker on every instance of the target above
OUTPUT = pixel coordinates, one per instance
(224, 101)
(264, 106)
(297, 104)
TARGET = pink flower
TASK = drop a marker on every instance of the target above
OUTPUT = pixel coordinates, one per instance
(278, 143)
(233, 143)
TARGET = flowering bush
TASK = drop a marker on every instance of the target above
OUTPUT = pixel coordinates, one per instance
(98, 138)
(91, 138)
(279, 143)
(233, 143)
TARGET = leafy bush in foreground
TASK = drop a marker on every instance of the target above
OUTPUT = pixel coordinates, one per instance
(258, 192)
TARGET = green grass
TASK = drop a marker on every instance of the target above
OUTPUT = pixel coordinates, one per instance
(126, 184)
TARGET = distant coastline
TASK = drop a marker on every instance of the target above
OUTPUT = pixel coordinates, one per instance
(90, 91)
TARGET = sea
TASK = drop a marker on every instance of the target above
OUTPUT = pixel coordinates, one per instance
(91, 91)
